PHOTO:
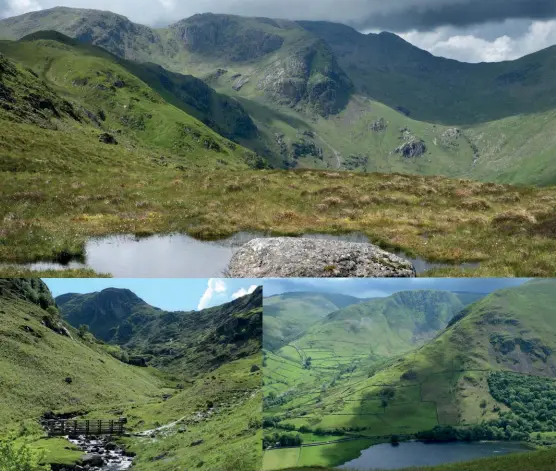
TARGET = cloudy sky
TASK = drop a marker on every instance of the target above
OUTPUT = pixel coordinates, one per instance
(467, 30)
(382, 287)
(168, 294)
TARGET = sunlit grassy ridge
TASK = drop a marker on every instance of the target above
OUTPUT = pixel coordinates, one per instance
(288, 315)
(81, 92)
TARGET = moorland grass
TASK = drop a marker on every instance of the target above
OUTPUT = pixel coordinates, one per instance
(171, 174)
(45, 214)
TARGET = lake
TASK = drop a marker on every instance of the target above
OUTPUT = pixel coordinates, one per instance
(180, 256)
(408, 454)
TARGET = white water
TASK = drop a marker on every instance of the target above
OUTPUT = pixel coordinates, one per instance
(114, 460)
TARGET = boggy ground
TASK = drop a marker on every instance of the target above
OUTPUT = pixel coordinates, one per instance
(49, 214)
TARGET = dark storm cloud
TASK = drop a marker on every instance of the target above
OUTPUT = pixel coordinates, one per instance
(364, 288)
(467, 30)
(427, 15)
(398, 15)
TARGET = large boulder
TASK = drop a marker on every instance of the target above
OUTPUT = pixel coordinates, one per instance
(92, 460)
(287, 257)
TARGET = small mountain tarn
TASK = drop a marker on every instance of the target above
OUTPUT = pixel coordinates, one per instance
(107, 382)
(364, 385)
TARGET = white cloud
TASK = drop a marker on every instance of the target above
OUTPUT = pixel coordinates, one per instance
(244, 292)
(18, 7)
(488, 38)
(215, 288)
(457, 45)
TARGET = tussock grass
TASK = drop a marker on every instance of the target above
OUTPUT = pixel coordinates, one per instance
(454, 221)
(61, 186)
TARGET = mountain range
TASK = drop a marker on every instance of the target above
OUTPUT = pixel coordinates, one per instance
(322, 95)
(416, 365)
(178, 341)
(396, 322)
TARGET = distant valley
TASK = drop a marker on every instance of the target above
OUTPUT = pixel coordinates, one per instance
(418, 365)
(322, 95)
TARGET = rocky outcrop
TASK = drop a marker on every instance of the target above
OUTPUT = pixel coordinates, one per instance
(92, 460)
(413, 148)
(287, 257)
(379, 125)
(224, 34)
(310, 77)
(106, 138)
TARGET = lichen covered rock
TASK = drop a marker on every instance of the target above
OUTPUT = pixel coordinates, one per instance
(287, 257)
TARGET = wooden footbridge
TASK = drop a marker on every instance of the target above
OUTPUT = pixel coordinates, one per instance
(62, 427)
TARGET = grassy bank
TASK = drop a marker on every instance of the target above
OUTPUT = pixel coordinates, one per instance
(508, 229)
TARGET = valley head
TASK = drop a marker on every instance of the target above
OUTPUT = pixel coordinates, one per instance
(103, 380)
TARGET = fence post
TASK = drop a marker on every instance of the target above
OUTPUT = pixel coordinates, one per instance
(63, 427)
(87, 427)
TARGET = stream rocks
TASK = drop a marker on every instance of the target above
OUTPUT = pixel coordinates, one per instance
(286, 257)
(101, 455)
(92, 460)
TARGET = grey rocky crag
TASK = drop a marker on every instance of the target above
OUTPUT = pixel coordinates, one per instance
(287, 257)
(412, 147)
(205, 33)
(310, 77)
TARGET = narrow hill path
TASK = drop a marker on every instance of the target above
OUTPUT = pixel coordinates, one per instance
(148, 433)
(336, 153)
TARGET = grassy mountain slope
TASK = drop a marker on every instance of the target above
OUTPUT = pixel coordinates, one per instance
(325, 96)
(491, 372)
(211, 422)
(84, 93)
(436, 89)
(289, 314)
(105, 313)
(396, 324)
(177, 341)
(36, 360)
(316, 385)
